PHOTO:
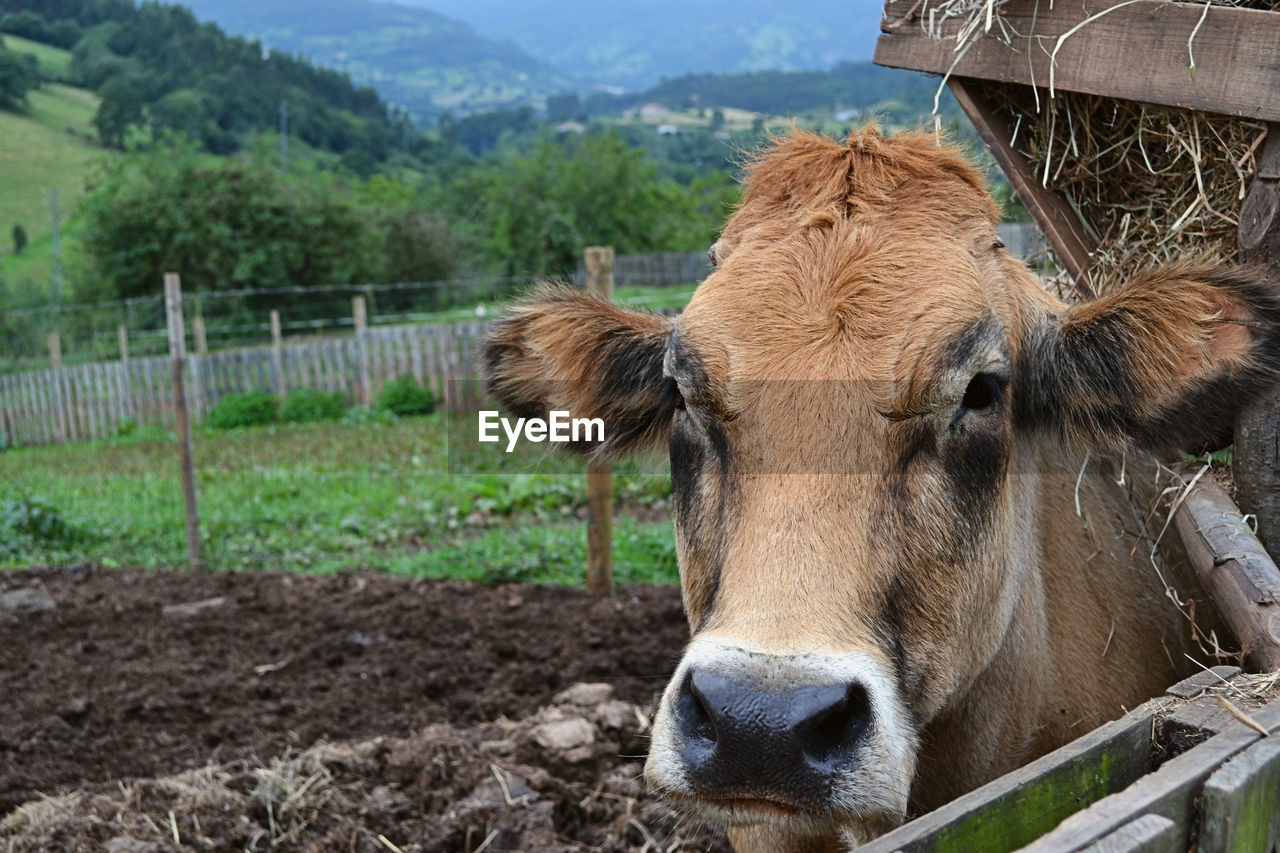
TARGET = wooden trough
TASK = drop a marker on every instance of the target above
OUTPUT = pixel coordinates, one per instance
(1198, 768)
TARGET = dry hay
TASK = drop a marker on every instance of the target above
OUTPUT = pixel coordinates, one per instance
(1148, 183)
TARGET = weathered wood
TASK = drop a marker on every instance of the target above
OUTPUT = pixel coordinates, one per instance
(1060, 225)
(1235, 569)
(186, 453)
(1147, 834)
(364, 392)
(278, 383)
(1256, 471)
(1241, 805)
(1137, 51)
(1020, 806)
(1171, 791)
(599, 266)
(122, 333)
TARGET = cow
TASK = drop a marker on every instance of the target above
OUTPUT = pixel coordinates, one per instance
(907, 564)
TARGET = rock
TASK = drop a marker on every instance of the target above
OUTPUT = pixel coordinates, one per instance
(585, 694)
(489, 794)
(504, 746)
(75, 711)
(564, 734)
(578, 754)
(26, 599)
(616, 714)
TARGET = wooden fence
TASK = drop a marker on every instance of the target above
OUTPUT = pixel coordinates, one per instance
(91, 401)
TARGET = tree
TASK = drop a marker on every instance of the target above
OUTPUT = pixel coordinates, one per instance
(19, 74)
(19, 239)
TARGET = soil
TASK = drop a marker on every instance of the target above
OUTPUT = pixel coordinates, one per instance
(353, 711)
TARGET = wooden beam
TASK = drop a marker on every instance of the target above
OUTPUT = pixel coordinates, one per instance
(1256, 466)
(599, 265)
(1137, 51)
(1057, 221)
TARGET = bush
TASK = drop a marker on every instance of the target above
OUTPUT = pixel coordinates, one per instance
(365, 416)
(304, 405)
(252, 408)
(404, 396)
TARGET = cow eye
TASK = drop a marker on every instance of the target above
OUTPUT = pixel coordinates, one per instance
(983, 394)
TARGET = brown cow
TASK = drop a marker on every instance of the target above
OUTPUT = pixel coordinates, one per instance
(878, 423)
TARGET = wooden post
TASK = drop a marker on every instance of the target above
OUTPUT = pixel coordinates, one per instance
(122, 332)
(1256, 463)
(364, 393)
(177, 359)
(599, 264)
(277, 354)
(197, 332)
(60, 414)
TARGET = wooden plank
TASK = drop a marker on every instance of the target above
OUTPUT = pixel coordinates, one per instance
(599, 266)
(1256, 471)
(1235, 569)
(186, 454)
(1241, 810)
(1056, 220)
(1171, 791)
(1020, 806)
(1147, 834)
(1136, 51)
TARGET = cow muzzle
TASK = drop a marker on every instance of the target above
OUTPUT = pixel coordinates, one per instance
(809, 742)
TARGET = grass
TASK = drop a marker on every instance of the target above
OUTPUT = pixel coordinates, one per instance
(48, 146)
(326, 497)
(54, 61)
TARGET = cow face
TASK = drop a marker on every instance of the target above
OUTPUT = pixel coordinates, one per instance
(855, 403)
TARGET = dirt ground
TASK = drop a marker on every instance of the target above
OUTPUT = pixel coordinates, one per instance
(349, 712)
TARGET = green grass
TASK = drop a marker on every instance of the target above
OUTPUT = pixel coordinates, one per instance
(326, 497)
(50, 145)
(54, 61)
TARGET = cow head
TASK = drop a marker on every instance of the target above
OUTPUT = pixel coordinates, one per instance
(854, 403)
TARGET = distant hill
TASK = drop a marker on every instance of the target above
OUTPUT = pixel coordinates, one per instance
(636, 43)
(415, 58)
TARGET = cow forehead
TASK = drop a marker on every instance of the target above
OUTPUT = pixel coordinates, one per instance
(844, 302)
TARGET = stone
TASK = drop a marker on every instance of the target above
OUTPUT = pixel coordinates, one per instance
(585, 694)
(26, 600)
(564, 734)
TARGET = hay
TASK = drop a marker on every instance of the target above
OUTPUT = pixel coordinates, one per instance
(1147, 183)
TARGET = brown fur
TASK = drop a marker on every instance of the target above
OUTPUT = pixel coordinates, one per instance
(835, 495)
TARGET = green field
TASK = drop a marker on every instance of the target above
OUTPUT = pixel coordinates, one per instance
(54, 61)
(51, 145)
(321, 498)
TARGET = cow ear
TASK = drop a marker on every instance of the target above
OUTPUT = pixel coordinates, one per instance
(563, 350)
(1166, 362)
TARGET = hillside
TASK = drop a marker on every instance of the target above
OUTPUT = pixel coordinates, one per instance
(50, 146)
(636, 43)
(415, 58)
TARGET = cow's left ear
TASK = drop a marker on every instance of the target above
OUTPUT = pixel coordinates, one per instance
(1167, 361)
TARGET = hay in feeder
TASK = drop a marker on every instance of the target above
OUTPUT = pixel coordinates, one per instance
(1148, 183)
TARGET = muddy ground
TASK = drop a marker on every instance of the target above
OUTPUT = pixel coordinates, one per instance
(350, 712)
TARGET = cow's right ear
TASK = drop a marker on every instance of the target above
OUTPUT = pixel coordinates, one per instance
(563, 350)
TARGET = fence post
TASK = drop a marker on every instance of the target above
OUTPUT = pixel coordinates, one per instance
(364, 394)
(177, 358)
(277, 354)
(198, 393)
(599, 266)
(60, 414)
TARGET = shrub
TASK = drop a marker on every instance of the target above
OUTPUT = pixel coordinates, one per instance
(304, 405)
(365, 416)
(252, 408)
(404, 396)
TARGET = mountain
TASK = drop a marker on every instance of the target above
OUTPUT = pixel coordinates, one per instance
(415, 58)
(636, 43)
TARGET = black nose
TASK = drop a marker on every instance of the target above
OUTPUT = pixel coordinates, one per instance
(741, 740)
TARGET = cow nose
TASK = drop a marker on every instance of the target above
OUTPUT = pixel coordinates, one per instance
(741, 740)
